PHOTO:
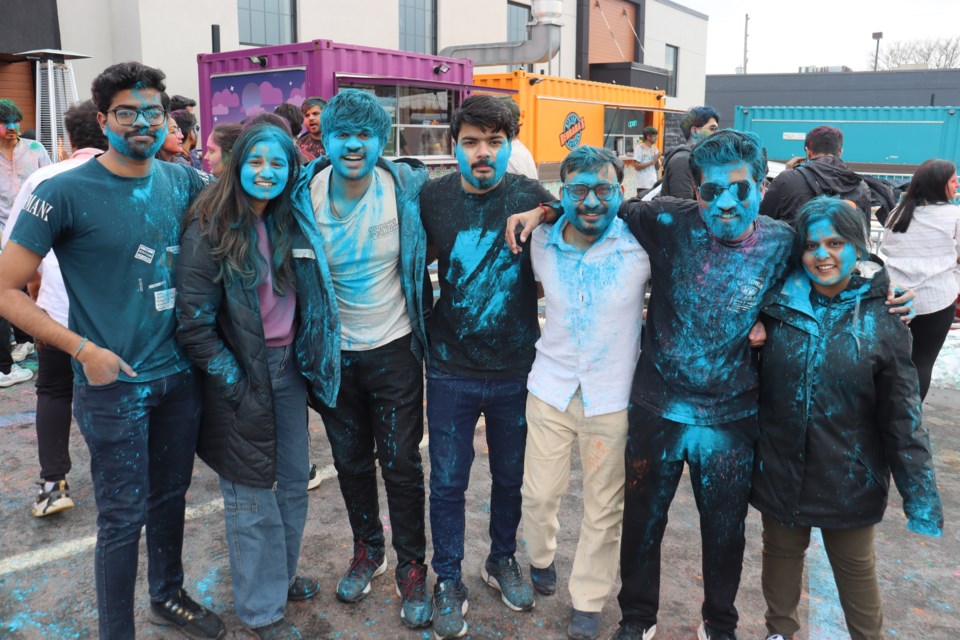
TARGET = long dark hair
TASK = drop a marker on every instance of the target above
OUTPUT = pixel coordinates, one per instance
(929, 186)
(226, 216)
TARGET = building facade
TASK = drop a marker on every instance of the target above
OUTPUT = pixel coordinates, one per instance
(640, 34)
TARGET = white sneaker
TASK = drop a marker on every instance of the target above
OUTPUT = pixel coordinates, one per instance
(20, 352)
(15, 376)
(314, 480)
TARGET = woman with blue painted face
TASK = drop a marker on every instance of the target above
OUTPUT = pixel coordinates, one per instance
(251, 304)
(839, 412)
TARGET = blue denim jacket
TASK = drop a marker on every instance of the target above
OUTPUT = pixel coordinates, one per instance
(409, 176)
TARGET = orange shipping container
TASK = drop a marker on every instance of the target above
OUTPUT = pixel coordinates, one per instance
(559, 114)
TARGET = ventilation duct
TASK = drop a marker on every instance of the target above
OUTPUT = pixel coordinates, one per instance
(542, 45)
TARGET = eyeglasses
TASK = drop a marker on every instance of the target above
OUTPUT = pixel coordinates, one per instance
(603, 191)
(126, 117)
(710, 191)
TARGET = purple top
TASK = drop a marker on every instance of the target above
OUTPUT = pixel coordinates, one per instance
(277, 312)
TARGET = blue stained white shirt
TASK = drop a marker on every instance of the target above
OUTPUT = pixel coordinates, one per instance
(594, 308)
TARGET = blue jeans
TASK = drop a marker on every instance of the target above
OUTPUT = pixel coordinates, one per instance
(265, 526)
(454, 404)
(142, 438)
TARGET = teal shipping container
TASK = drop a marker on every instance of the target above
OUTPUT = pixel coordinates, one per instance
(875, 139)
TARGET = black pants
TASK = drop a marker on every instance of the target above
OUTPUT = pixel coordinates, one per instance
(379, 416)
(54, 399)
(929, 331)
(6, 360)
(720, 458)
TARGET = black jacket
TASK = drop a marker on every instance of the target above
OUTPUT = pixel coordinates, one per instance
(840, 410)
(220, 329)
(822, 175)
(677, 176)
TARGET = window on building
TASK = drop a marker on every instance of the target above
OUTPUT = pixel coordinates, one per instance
(418, 26)
(670, 63)
(518, 16)
(622, 129)
(267, 22)
(420, 115)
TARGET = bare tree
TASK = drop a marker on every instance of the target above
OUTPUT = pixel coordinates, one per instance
(936, 53)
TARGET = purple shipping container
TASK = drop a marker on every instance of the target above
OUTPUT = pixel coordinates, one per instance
(420, 92)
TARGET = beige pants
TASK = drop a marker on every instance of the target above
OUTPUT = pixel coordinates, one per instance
(546, 476)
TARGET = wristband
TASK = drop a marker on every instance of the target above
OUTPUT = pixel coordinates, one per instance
(80, 348)
(548, 207)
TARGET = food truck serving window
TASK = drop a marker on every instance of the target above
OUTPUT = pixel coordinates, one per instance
(621, 128)
(420, 115)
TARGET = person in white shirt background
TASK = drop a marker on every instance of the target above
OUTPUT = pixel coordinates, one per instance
(55, 374)
(921, 247)
(646, 159)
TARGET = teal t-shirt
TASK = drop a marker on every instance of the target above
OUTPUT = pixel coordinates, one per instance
(117, 240)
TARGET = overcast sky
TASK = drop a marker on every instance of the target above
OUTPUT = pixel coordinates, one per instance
(786, 35)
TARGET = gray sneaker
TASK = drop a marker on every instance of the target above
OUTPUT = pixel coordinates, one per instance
(449, 606)
(505, 575)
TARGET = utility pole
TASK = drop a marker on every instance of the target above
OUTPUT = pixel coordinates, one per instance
(746, 24)
(877, 35)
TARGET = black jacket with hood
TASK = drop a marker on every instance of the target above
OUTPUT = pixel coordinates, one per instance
(840, 411)
(822, 175)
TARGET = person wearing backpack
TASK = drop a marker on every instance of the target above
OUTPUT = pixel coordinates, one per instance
(697, 124)
(823, 173)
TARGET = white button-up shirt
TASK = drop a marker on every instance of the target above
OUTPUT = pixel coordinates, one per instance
(924, 257)
(594, 307)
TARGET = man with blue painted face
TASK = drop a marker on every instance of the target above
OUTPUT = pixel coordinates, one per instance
(368, 214)
(482, 334)
(698, 124)
(114, 223)
(580, 381)
(694, 397)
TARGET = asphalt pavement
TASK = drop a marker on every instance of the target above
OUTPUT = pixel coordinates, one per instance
(46, 564)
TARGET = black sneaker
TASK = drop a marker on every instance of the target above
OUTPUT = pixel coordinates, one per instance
(54, 501)
(505, 575)
(188, 617)
(706, 632)
(584, 625)
(634, 631)
(303, 588)
(416, 608)
(279, 630)
(314, 479)
(544, 580)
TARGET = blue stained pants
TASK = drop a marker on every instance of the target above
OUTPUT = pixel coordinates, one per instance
(720, 458)
(454, 405)
(142, 439)
(265, 525)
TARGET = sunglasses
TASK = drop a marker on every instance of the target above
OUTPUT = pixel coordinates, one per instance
(710, 191)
